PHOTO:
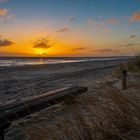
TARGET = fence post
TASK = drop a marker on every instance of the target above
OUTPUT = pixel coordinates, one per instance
(124, 79)
(2, 134)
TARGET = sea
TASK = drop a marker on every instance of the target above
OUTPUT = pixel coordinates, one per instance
(22, 61)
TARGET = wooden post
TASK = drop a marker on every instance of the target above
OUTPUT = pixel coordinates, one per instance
(124, 79)
(3, 128)
(2, 134)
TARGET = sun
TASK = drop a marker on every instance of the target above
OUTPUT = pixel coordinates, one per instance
(41, 52)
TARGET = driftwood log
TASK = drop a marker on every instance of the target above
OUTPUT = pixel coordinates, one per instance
(19, 109)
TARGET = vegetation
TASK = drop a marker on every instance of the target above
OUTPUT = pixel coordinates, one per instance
(106, 113)
(110, 116)
(132, 66)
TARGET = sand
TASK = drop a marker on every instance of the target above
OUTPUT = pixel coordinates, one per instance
(20, 82)
(24, 81)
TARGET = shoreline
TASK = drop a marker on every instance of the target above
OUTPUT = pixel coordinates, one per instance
(20, 82)
(55, 64)
(60, 60)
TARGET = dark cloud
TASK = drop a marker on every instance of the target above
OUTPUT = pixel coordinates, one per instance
(65, 29)
(5, 42)
(42, 43)
(130, 44)
(132, 36)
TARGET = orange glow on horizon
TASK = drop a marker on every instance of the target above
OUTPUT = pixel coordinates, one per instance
(61, 46)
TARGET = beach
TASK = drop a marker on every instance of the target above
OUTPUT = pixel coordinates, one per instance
(18, 82)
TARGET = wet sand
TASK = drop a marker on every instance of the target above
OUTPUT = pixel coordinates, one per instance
(24, 81)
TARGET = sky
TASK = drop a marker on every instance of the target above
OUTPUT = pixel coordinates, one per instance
(69, 28)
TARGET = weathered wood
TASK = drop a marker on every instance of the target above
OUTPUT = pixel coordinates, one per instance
(16, 110)
(2, 134)
(124, 79)
(2, 131)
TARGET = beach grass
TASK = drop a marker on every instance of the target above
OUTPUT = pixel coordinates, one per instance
(104, 113)
(111, 116)
(132, 66)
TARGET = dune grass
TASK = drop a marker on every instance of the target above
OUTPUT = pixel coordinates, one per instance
(107, 113)
(132, 66)
(111, 116)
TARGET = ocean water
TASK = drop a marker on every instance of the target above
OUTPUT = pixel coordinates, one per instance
(5, 61)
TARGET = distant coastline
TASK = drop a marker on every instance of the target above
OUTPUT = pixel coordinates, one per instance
(22, 61)
(57, 57)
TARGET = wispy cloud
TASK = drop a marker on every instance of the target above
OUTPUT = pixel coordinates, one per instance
(72, 18)
(112, 21)
(5, 15)
(102, 24)
(105, 51)
(130, 44)
(4, 12)
(78, 49)
(94, 23)
(64, 29)
(5, 42)
(42, 43)
(127, 45)
(135, 16)
(107, 30)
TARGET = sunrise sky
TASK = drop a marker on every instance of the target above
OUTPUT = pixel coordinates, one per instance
(69, 27)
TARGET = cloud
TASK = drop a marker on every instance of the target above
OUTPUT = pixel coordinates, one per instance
(135, 16)
(7, 18)
(130, 44)
(105, 50)
(13, 54)
(5, 15)
(92, 22)
(112, 21)
(107, 30)
(42, 43)
(72, 18)
(4, 12)
(103, 25)
(132, 36)
(96, 24)
(78, 49)
(5, 42)
(65, 29)
(127, 45)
